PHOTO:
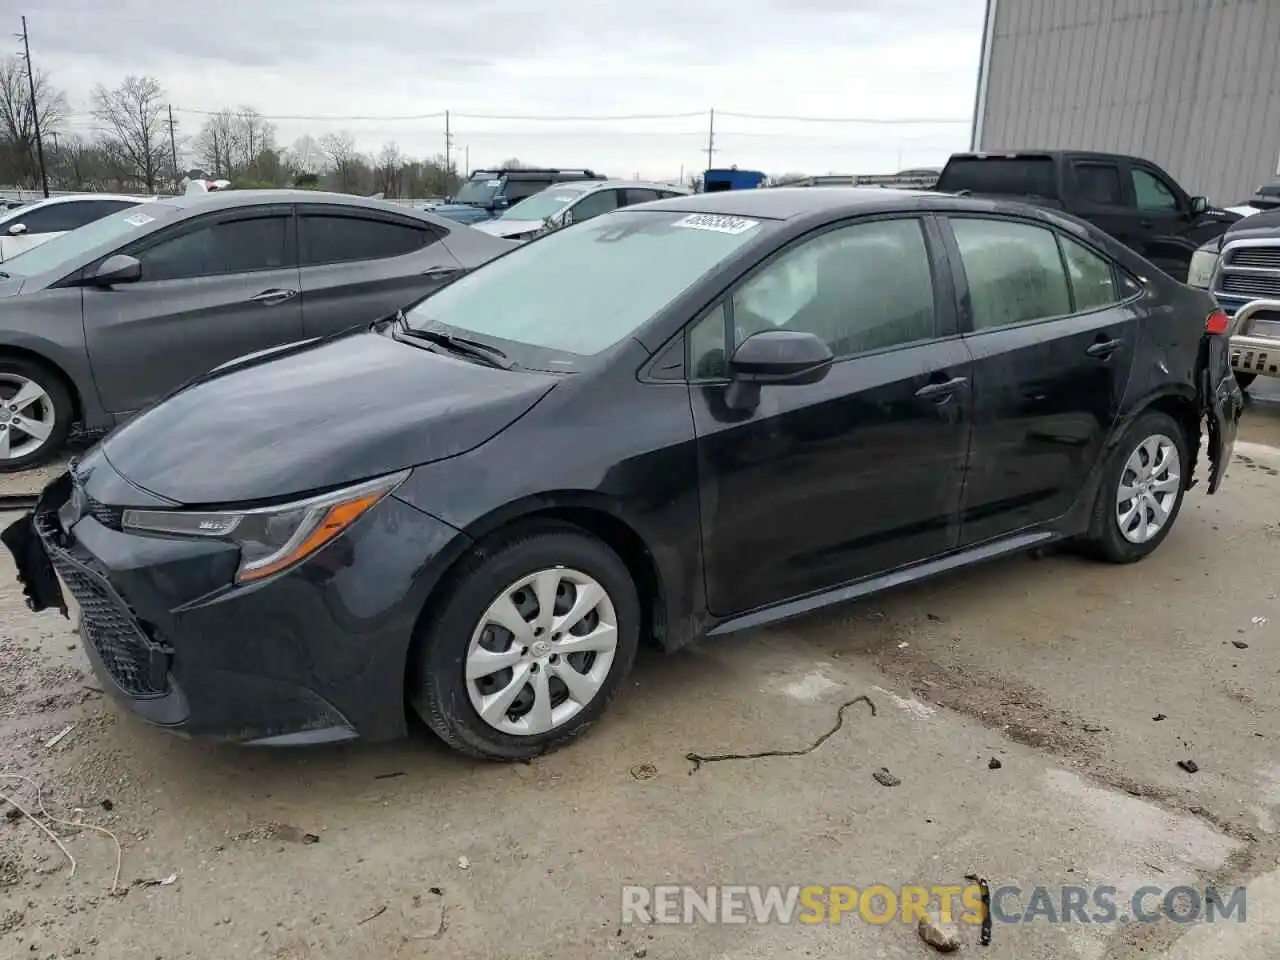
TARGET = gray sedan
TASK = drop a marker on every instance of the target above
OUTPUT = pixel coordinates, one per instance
(100, 322)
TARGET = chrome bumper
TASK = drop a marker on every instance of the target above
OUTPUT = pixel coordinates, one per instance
(1250, 351)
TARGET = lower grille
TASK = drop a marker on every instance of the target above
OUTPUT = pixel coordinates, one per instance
(138, 665)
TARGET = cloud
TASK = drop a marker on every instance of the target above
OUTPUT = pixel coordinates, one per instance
(379, 58)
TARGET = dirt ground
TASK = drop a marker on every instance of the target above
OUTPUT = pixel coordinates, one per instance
(1055, 666)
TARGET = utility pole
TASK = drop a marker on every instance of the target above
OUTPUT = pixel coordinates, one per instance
(448, 147)
(35, 108)
(711, 137)
(173, 150)
(467, 148)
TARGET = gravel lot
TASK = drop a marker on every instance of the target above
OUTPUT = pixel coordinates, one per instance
(1055, 666)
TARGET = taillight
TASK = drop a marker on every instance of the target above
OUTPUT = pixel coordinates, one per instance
(1217, 322)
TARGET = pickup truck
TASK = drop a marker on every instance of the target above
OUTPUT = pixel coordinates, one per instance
(1128, 197)
(1242, 271)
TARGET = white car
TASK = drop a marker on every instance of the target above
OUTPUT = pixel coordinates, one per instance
(36, 223)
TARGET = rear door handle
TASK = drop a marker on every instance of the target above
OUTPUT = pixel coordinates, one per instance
(271, 297)
(1104, 349)
(941, 391)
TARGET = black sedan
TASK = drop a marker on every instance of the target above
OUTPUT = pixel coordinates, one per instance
(689, 417)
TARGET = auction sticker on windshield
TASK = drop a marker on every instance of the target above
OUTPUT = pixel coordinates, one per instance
(138, 220)
(717, 223)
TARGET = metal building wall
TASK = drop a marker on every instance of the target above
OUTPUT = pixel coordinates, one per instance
(1193, 85)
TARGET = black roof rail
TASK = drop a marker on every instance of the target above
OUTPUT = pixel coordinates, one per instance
(584, 172)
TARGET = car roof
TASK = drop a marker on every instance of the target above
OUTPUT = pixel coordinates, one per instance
(783, 203)
(590, 186)
(232, 199)
(79, 198)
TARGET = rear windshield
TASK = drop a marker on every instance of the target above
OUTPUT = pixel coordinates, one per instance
(1016, 176)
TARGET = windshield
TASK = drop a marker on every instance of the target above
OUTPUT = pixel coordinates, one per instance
(478, 192)
(542, 205)
(576, 292)
(52, 254)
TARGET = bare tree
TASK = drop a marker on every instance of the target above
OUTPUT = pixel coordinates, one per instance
(306, 155)
(389, 169)
(341, 150)
(512, 164)
(134, 137)
(254, 135)
(215, 144)
(17, 119)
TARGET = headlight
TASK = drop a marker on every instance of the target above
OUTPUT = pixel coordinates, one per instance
(1203, 262)
(271, 539)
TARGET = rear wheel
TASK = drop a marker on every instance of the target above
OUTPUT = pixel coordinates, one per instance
(532, 640)
(1245, 380)
(1141, 491)
(35, 414)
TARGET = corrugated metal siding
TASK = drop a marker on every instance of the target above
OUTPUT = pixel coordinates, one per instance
(1193, 85)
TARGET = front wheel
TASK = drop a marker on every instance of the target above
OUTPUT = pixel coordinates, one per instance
(35, 414)
(1141, 491)
(532, 639)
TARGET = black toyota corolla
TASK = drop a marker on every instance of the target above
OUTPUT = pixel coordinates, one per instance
(689, 417)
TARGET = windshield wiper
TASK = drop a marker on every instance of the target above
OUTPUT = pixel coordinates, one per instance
(4, 276)
(474, 349)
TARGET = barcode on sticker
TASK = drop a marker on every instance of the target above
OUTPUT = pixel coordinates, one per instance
(717, 223)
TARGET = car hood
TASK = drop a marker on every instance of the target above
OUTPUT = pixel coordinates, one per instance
(509, 228)
(1265, 224)
(462, 212)
(318, 416)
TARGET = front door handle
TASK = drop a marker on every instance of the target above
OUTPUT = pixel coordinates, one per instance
(441, 273)
(1104, 349)
(271, 297)
(941, 391)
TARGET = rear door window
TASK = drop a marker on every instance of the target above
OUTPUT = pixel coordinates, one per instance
(342, 238)
(1099, 183)
(1014, 272)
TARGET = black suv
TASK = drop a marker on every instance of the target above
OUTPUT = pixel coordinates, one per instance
(487, 193)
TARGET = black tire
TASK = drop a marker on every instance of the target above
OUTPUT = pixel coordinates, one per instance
(437, 684)
(1105, 540)
(55, 388)
(1245, 380)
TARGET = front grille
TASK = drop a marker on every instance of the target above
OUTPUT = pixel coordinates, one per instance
(138, 664)
(1265, 258)
(1255, 285)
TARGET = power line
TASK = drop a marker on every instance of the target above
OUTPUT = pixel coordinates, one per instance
(318, 117)
(871, 120)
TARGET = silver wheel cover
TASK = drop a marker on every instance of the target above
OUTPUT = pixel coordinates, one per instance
(541, 651)
(1148, 489)
(27, 417)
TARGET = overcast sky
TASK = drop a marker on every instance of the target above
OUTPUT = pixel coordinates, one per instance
(885, 59)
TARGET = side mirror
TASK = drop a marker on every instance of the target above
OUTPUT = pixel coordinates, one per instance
(1199, 206)
(117, 268)
(566, 217)
(775, 357)
(17, 230)
(501, 203)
